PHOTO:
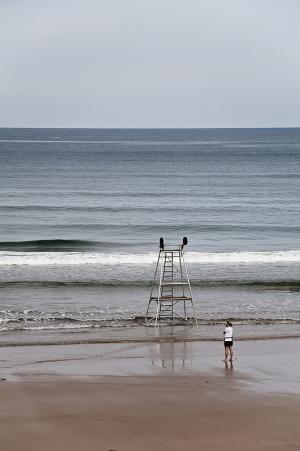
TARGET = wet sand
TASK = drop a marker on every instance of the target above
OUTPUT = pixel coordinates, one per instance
(151, 396)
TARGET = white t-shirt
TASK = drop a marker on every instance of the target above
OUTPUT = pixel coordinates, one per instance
(228, 333)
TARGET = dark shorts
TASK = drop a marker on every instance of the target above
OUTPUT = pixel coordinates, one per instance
(228, 344)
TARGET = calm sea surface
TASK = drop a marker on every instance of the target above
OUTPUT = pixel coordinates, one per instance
(82, 211)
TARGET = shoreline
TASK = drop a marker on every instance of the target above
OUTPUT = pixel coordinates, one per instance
(145, 334)
(137, 340)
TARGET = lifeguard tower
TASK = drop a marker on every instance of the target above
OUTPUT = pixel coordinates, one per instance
(171, 298)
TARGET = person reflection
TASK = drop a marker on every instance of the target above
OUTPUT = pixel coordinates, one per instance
(228, 365)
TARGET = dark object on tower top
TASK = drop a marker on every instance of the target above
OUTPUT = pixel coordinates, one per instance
(161, 243)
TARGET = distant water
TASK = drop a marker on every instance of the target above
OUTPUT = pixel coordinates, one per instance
(82, 211)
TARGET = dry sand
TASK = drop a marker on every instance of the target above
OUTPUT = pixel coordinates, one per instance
(168, 396)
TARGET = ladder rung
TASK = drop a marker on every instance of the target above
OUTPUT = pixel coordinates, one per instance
(173, 298)
(179, 284)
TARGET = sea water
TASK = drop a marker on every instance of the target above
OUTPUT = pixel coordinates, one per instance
(82, 211)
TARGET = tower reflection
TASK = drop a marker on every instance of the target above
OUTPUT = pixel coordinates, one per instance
(171, 355)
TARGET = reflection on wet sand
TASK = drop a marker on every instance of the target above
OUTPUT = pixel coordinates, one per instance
(171, 355)
(228, 365)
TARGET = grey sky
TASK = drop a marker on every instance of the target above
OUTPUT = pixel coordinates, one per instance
(155, 63)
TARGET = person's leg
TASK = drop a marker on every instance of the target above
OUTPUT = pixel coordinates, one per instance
(226, 352)
(231, 352)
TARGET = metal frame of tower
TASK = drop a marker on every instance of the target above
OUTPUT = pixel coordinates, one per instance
(171, 294)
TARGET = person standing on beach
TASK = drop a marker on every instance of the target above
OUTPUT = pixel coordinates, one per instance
(228, 341)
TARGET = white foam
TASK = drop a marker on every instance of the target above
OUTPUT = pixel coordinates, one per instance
(113, 259)
(245, 257)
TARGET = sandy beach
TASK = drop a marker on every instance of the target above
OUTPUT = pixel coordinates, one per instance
(151, 396)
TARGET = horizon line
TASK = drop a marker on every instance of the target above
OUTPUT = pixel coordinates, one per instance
(151, 128)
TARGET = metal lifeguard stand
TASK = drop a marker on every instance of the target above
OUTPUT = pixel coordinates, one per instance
(171, 294)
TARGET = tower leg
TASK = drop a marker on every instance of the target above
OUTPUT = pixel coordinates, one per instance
(194, 312)
(146, 316)
(157, 312)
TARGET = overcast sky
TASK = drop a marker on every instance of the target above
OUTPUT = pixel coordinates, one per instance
(154, 63)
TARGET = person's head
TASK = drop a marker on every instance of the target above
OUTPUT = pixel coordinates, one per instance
(228, 323)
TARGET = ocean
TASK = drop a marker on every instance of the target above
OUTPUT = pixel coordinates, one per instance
(82, 212)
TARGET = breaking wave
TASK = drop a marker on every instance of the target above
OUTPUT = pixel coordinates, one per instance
(35, 320)
(58, 254)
